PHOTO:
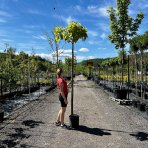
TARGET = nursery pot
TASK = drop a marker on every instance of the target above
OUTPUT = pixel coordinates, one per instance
(1, 113)
(141, 106)
(74, 121)
(89, 77)
(135, 103)
(146, 109)
(120, 93)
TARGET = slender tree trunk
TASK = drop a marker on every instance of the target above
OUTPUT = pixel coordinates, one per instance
(142, 75)
(57, 54)
(99, 73)
(113, 76)
(122, 68)
(128, 77)
(1, 87)
(72, 72)
(136, 71)
(116, 75)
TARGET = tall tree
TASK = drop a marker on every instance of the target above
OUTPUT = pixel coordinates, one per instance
(134, 50)
(142, 44)
(122, 26)
(71, 34)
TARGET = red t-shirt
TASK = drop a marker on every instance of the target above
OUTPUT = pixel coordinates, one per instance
(65, 88)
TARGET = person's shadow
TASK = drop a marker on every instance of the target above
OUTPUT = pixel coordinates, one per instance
(92, 131)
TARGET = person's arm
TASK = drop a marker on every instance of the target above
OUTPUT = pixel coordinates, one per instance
(62, 93)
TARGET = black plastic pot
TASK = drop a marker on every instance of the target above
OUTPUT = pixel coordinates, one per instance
(141, 106)
(135, 103)
(1, 117)
(146, 109)
(74, 121)
(145, 96)
(89, 78)
(120, 93)
(139, 93)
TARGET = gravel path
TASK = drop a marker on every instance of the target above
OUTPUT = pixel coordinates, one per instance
(103, 123)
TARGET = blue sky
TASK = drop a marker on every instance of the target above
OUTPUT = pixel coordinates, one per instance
(23, 24)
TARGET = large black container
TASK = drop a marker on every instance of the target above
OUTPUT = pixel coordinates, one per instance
(141, 106)
(74, 121)
(146, 109)
(1, 116)
(1, 113)
(135, 103)
(120, 93)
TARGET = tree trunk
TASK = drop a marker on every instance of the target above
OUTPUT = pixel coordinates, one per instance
(122, 68)
(128, 78)
(57, 54)
(142, 75)
(72, 72)
(113, 76)
(136, 71)
(1, 88)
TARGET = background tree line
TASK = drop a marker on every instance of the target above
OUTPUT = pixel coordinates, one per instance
(16, 70)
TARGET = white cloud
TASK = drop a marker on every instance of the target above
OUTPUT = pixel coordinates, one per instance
(3, 33)
(29, 45)
(101, 48)
(5, 14)
(1, 50)
(100, 11)
(36, 12)
(31, 26)
(132, 12)
(40, 37)
(91, 57)
(84, 50)
(44, 55)
(66, 50)
(7, 40)
(104, 27)
(63, 53)
(93, 42)
(145, 6)
(67, 20)
(2, 20)
(92, 33)
(78, 8)
(80, 58)
(103, 36)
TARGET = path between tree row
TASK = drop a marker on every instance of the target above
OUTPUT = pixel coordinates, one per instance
(103, 123)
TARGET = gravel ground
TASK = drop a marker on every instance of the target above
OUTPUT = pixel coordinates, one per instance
(103, 123)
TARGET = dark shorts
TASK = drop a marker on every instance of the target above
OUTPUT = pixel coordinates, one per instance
(62, 101)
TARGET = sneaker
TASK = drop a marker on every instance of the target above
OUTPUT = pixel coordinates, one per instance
(64, 126)
(58, 123)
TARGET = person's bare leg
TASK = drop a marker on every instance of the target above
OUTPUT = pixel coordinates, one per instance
(59, 115)
(62, 115)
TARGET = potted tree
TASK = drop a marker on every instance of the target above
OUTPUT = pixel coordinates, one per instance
(142, 43)
(71, 34)
(122, 27)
